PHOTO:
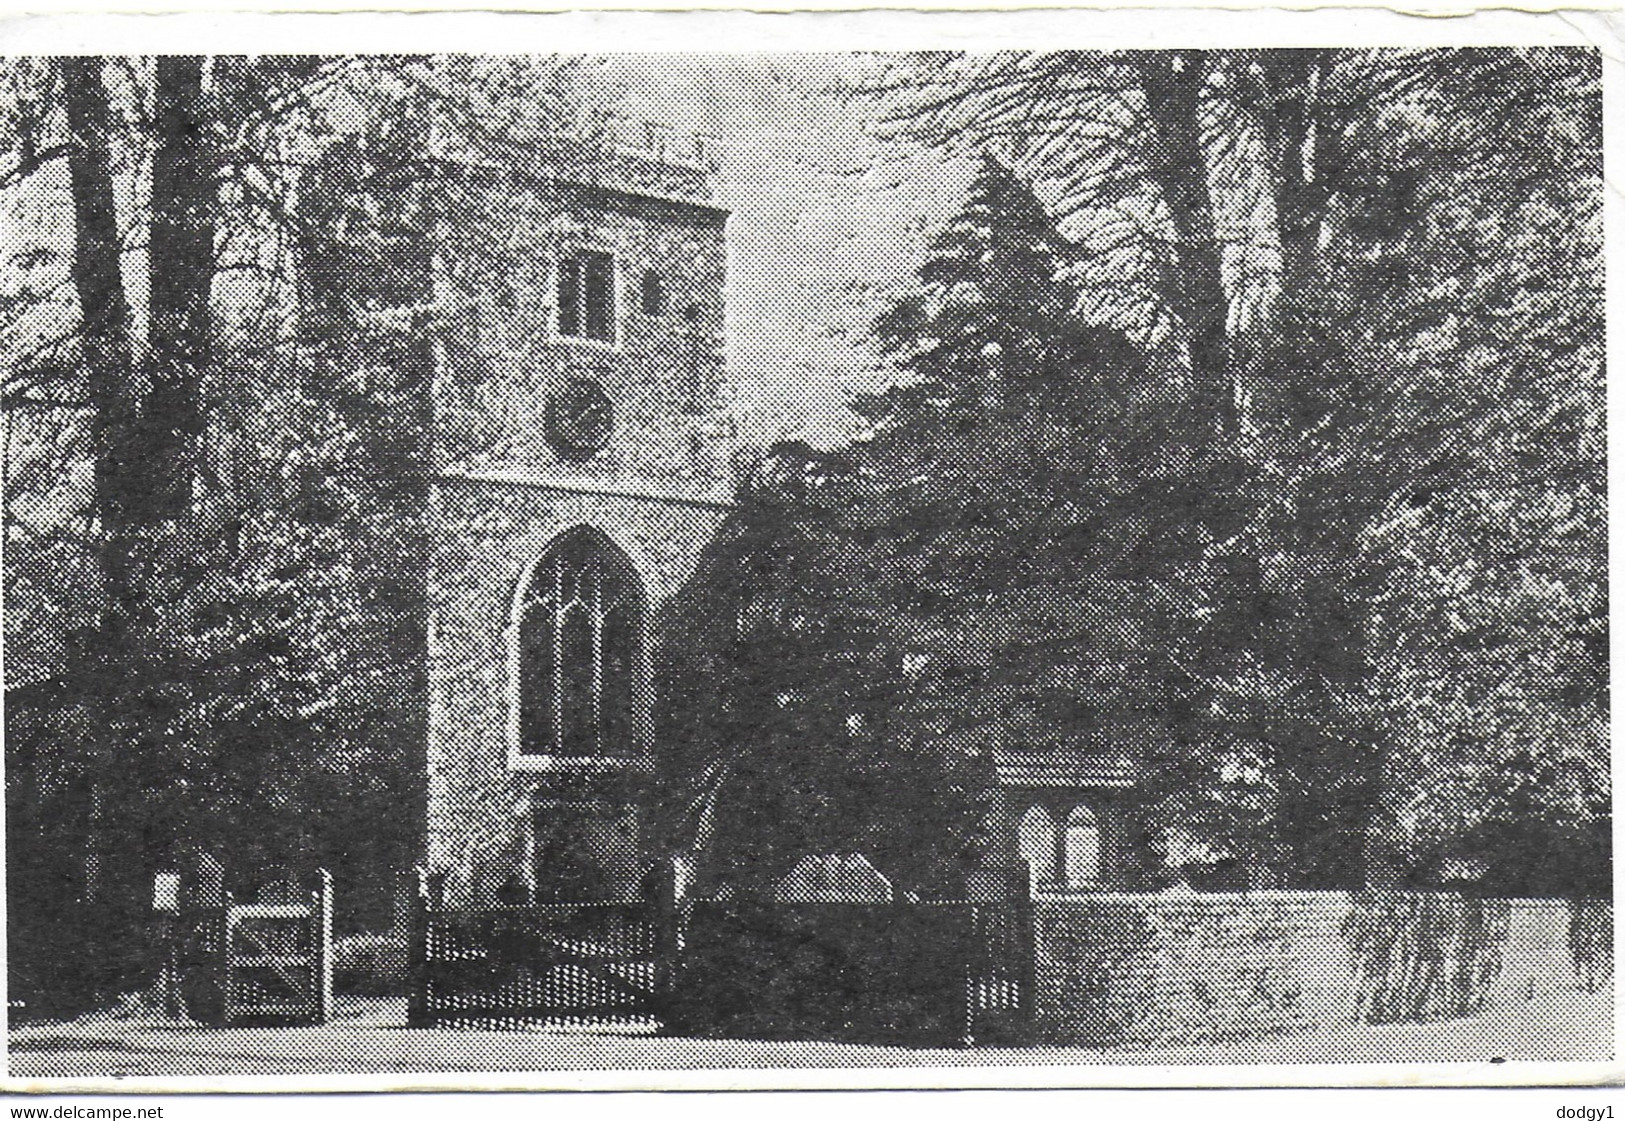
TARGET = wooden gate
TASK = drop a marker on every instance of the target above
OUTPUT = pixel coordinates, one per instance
(573, 965)
(278, 960)
(939, 973)
(261, 962)
(999, 983)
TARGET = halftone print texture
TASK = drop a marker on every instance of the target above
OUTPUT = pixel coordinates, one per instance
(700, 562)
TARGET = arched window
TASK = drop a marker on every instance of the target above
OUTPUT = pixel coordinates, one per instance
(1081, 846)
(580, 620)
(1036, 841)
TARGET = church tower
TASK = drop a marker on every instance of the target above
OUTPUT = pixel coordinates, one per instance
(582, 445)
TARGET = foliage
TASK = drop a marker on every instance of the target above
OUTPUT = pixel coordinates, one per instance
(860, 973)
(873, 610)
(1407, 275)
(1488, 632)
(782, 705)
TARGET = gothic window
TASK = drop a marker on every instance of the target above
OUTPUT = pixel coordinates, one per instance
(587, 296)
(1036, 842)
(1081, 848)
(654, 294)
(580, 630)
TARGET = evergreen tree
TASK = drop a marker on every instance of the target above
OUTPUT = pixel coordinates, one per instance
(1010, 562)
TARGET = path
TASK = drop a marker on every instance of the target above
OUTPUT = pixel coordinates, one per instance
(365, 1040)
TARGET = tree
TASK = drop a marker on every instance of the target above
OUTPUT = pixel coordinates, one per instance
(900, 653)
(1354, 202)
(1492, 609)
(250, 665)
(133, 402)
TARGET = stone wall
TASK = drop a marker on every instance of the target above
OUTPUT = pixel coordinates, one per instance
(1177, 968)
(658, 490)
(489, 535)
(503, 357)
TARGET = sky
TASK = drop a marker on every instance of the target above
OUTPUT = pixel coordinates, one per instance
(826, 219)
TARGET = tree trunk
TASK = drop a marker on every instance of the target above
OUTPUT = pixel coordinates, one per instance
(104, 320)
(113, 859)
(1173, 84)
(181, 270)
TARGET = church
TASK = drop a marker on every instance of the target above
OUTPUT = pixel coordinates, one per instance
(583, 445)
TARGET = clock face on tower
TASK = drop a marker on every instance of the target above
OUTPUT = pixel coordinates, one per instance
(580, 417)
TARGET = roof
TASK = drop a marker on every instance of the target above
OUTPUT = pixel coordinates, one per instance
(1052, 769)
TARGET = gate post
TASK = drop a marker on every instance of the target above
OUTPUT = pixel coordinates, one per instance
(223, 959)
(418, 953)
(203, 900)
(1000, 949)
(970, 958)
(321, 935)
(671, 891)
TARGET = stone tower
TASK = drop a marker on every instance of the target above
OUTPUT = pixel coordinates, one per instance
(582, 450)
